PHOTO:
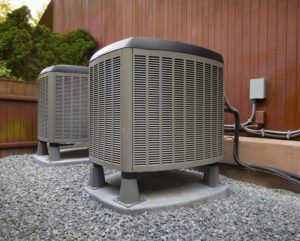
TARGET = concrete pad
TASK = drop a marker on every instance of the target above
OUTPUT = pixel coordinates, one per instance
(71, 156)
(159, 191)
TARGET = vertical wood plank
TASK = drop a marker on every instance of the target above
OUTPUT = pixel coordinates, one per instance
(298, 70)
(272, 77)
(218, 25)
(291, 65)
(231, 54)
(238, 60)
(189, 21)
(205, 25)
(211, 24)
(200, 22)
(183, 22)
(262, 44)
(245, 102)
(281, 64)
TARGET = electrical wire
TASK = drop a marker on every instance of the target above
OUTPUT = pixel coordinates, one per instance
(248, 122)
(262, 132)
(295, 179)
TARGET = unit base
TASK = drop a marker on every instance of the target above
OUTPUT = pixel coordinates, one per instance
(68, 157)
(159, 191)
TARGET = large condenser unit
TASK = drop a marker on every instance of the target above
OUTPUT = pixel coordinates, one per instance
(154, 105)
(62, 108)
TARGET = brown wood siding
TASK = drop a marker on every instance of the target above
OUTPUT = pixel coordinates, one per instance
(257, 38)
(18, 117)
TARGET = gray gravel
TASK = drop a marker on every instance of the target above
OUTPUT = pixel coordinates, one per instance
(49, 203)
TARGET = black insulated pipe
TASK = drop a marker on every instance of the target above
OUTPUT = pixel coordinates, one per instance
(295, 179)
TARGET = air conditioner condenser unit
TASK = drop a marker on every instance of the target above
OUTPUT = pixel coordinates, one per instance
(62, 108)
(154, 105)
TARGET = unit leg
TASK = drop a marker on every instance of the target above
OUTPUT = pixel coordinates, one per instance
(97, 178)
(211, 176)
(129, 192)
(54, 153)
(42, 149)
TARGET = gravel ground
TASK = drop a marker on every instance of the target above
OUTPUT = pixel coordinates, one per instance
(49, 203)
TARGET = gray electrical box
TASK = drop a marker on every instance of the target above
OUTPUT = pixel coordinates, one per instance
(258, 89)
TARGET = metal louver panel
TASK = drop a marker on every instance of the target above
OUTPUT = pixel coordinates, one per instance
(70, 108)
(177, 110)
(105, 112)
(43, 108)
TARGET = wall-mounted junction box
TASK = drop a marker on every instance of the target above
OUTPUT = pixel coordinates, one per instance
(258, 89)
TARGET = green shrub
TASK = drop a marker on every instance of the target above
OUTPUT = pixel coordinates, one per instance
(27, 49)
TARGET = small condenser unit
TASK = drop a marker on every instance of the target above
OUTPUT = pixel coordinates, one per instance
(155, 105)
(62, 107)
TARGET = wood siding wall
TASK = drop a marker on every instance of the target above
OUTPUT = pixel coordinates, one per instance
(18, 117)
(257, 38)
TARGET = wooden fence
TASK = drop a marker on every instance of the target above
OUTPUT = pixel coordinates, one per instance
(18, 117)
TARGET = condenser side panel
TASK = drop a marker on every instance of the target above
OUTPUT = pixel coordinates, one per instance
(177, 110)
(105, 110)
(43, 97)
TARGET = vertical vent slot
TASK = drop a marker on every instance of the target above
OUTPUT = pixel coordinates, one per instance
(100, 110)
(153, 110)
(189, 111)
(83, 107)
(199, 111)
(43, 107)
(220, 111)
(92, 128)
(76, 108)
(208, 112)
(214, 114)
(116, 111)
(96, 114)
(139, 110)
(179, 110)
(67, 112)
(108, 110)
(59, 107)
(166, 105)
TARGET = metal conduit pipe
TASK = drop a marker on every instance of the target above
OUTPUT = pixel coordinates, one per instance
(262, 132)
(249, 121)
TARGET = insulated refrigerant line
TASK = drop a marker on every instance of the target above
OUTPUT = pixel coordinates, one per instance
(295, 179)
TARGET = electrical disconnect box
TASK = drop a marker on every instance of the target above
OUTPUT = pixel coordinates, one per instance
(258, 89)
